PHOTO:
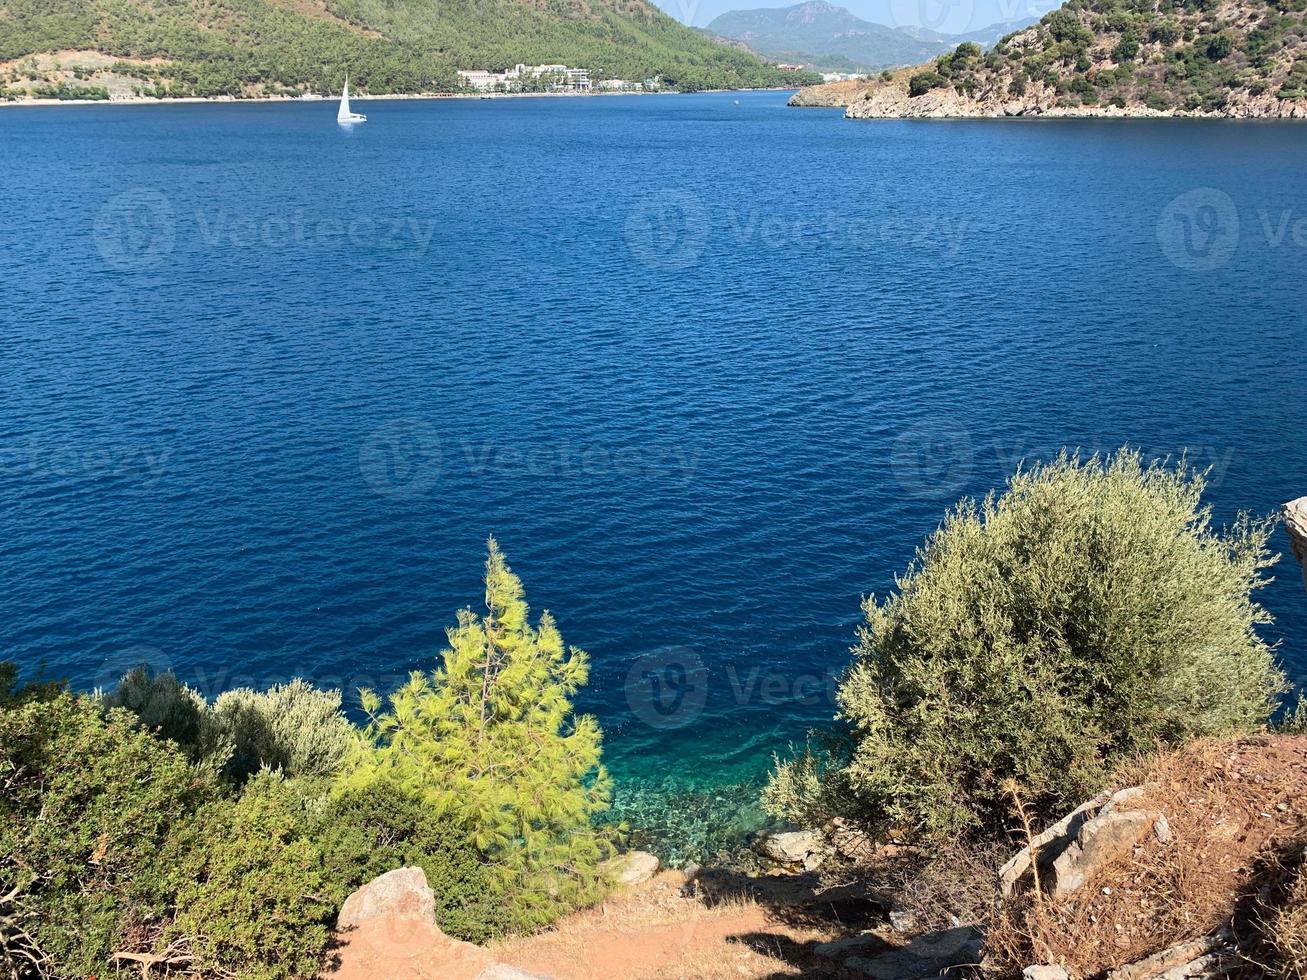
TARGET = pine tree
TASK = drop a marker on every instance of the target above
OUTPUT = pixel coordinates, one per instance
(490, 740)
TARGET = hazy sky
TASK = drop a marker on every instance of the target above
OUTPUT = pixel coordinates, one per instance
(946, 16)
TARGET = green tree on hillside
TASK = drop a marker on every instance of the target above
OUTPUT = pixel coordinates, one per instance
(491, 741)
(1089, 613)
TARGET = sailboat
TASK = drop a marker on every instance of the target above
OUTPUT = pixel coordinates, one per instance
(344, 116)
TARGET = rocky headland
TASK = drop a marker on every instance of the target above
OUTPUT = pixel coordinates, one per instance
(1242, 60)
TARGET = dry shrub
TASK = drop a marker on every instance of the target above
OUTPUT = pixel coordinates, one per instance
(1229, 804)
(1287, 930)
(953, 881)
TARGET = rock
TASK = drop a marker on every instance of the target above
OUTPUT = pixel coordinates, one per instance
(903, 921)
(632, 868)
(865, 944)
(505, 971)
(1162, 830)
(399, 894)
(1102, 841)
(797, 847)
(1295, 522)
(1049, 845)
(388, 929)
(1045, 973)
(926, 956)
(1202, 957)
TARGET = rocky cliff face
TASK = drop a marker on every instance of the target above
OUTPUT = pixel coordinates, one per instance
(1245, 59)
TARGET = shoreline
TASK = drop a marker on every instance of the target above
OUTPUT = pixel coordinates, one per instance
(142, 100)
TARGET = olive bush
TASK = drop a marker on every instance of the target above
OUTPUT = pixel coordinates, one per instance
(1089, 613)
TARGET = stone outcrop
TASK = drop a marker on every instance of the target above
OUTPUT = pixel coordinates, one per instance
(1295, 523)
(387, 929)
(399, 894)
(1102, 841)
(930, 955)
(798, 849)
(632, 868)
(1089, 838)
(1207, 956)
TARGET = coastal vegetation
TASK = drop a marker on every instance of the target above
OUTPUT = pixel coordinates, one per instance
(239, 48)
(1043, 636)
(1089, 618)
(224, 837)
(1139, 56)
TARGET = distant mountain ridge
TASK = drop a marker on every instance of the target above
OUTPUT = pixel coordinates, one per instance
(244, 48)
(824, 36)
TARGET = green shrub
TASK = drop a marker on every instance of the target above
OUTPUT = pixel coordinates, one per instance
(1087, 614)
(1126, 48)
(163, 705)
(923, 81)
(89, 804)
(492, 744)
(256, 898)
(294, 728)
(368, 831)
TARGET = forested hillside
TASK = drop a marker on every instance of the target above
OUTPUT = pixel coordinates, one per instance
(258, 47)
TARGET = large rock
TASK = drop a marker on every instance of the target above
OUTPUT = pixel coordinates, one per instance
(928, 955)
(632, 868)
(388, 929)
(799, 848)
(1090, 837)
(399, 894)
(1102, 841)
(1295, 522)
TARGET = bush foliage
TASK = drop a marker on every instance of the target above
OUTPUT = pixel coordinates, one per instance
(226, 836)
(1089, 613)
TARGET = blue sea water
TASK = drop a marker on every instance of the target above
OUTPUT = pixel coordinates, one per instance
(708, 367)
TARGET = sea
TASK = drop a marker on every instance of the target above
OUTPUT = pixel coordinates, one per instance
(709, 369)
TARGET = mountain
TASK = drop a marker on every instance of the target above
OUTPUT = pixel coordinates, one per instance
(822, 35)
(1238, 58)
(261, 47)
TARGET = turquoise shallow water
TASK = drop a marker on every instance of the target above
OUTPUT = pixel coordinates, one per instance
(708, 370)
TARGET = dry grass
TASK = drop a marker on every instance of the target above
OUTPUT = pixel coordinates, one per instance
(656, 931)
(1229, 805)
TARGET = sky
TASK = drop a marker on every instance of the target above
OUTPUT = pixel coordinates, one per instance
(945, 16)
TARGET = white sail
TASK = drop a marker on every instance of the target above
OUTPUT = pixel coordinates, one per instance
(343, 114)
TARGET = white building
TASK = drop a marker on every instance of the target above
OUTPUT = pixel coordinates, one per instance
(558, 78)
